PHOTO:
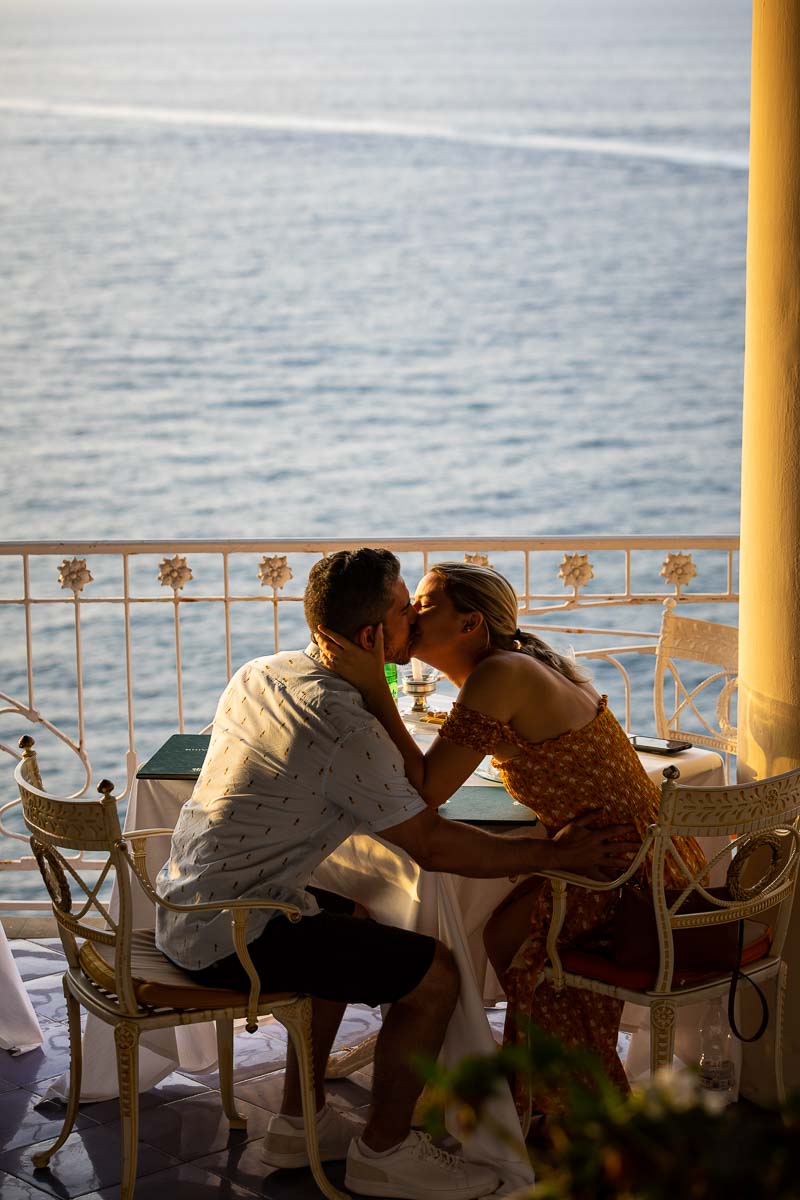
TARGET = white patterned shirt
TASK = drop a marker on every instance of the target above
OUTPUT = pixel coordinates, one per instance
(295, 765)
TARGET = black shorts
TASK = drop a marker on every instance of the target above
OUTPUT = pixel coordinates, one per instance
(332, 955)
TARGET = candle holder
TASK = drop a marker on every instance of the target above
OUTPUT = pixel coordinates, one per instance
(420, 689)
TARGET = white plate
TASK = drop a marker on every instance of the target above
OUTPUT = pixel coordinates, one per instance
(486, 771)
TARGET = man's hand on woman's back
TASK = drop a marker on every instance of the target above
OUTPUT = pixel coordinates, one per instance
(596, 853)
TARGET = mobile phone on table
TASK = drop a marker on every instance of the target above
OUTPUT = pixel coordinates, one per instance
(653, 745)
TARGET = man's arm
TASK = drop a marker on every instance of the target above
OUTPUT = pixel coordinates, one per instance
(438, 844)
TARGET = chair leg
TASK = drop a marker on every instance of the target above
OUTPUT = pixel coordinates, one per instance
(225, 1056)
(296, 1019)
(662, 1035)
(126, 1038)
(780, 1004)
(75, 1070)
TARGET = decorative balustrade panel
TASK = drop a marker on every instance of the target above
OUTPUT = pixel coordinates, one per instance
(108, 647)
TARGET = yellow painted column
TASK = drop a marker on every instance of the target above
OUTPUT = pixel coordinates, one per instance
(769, 653)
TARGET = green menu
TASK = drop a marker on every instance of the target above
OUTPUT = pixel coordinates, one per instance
(181, 757)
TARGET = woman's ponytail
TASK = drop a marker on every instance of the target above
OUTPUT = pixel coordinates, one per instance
(532, 645)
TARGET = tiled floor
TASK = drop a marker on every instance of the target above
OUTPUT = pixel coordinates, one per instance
(186, 1150)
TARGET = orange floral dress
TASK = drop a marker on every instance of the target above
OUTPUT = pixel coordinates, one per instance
(594, 767)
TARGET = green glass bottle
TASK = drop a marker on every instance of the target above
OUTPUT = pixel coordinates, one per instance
(390, 671)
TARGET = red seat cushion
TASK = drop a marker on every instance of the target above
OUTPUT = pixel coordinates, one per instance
(758, 938)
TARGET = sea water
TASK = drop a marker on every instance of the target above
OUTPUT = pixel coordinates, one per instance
(376, 268)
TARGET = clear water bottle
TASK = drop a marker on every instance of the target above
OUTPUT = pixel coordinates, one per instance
(717, 1055)
(390, 671)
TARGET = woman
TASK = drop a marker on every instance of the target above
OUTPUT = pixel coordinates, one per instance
(558, 749)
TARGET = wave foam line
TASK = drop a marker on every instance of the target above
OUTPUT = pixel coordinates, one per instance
(617, 147)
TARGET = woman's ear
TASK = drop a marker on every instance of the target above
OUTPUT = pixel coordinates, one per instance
(473, 620)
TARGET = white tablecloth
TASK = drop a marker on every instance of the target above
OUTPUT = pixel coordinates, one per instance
(395, 891)
(19, 1028)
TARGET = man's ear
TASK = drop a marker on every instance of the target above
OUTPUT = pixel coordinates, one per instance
(365, 638)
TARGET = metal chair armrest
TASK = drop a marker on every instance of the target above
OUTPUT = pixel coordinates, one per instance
(559, 881)
(140, 873)
(137, 839)
(239, 924)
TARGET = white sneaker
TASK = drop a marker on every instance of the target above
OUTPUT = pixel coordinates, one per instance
(417, 1170)
(284, 1144)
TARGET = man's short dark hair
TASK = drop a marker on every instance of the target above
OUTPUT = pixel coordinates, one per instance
(350, 589)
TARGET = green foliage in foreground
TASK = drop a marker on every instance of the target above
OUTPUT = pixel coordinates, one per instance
(669, 1141)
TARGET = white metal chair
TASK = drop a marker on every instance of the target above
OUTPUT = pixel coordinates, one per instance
(686, 640)
(119, 974)
(764, 819)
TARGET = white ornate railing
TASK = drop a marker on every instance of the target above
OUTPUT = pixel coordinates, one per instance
(104, 642)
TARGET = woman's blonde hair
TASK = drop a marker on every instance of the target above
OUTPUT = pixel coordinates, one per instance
(472, 588)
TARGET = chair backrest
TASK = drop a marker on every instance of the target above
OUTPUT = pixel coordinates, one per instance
(763, 821)
(700, 711)
(57, 824)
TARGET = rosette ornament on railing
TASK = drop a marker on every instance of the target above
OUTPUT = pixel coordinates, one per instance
(274, 572)
(575, 572)
(174, 573)
(478, 560)
(678, 570)
(74, 574)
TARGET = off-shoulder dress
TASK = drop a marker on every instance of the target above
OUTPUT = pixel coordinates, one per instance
(594, 767)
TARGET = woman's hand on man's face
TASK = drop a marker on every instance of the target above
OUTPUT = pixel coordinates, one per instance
(361, 666)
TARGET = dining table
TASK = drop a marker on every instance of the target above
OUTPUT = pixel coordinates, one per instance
(396, 891)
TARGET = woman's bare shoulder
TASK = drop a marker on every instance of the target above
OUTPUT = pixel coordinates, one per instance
(498, 682)
(502, 665)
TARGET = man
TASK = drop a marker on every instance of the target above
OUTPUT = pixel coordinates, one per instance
(295, 765)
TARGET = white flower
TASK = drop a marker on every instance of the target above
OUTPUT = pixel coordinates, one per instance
(680, 1087)
(174, 573)
(714, 1103)
(273, 572)
(74, 574)
(670, 1091)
